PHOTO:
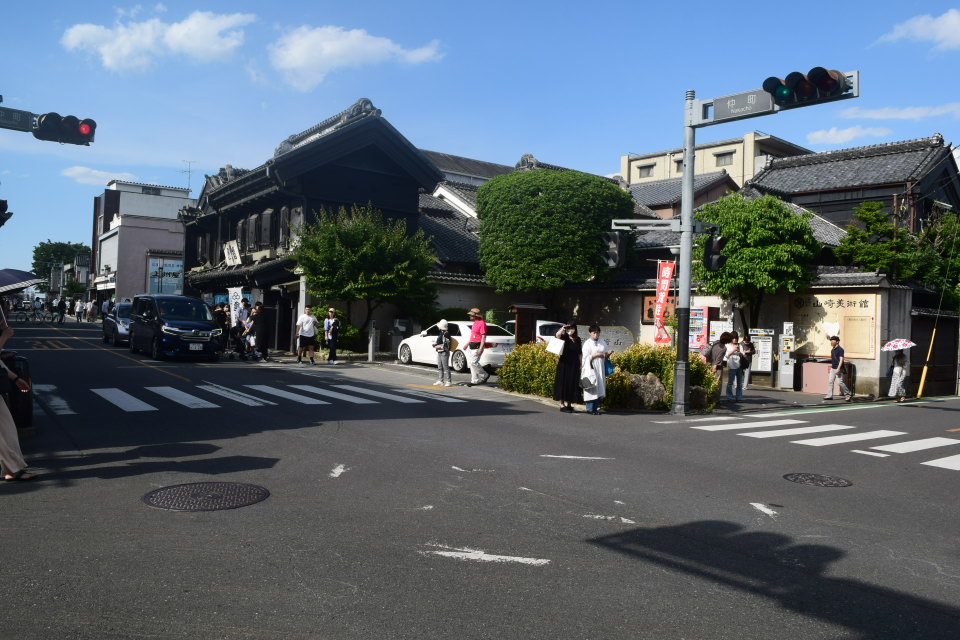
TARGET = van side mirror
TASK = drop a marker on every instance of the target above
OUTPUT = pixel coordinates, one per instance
(148, 315)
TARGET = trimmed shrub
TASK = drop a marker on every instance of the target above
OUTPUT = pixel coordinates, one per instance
(529, 368)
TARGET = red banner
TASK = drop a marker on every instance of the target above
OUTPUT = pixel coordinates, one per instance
(664, 280)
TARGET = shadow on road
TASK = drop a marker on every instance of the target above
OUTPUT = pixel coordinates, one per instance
(770, 565)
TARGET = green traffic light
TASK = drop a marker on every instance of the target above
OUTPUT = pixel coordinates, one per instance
(782, 94)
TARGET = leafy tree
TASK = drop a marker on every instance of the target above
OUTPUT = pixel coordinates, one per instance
(49, 253)
(541, 229)
(938, 256)
(73, 287)
(771, 250)
(356, 255)
(875, 242)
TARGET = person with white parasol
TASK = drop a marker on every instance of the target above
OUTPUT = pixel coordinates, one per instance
(900, 367)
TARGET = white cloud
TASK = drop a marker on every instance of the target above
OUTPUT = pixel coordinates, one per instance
(134, 46)
(842, 136)
(903, 113)
(943, 31)
(307, 54)
(86, 175)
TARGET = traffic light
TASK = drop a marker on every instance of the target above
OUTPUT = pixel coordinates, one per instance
(66, 130)
(614, 249)
(4, 214)
(818, 85)
(713, 260)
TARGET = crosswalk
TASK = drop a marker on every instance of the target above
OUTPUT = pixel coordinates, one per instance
(800, 432)
(209, 395)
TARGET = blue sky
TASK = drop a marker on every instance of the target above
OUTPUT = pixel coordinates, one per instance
(575, 84)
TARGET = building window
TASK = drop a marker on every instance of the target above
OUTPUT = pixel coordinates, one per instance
(645, 171)
(679, 165)
(150, 191)
(724, 159)
(164, 275)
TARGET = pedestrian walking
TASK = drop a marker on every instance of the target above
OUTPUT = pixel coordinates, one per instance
(898, 380)
(566, 385)
(307, 334)
(594, 359)
(837, 361)
(61, 310)
(331, 332)
(79, 309)
(105, 308)
(478, 336)
(11, 458)
(747, 351)
(258, 330)
(442, 346)
(734, 366)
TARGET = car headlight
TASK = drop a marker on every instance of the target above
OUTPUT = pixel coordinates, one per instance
(124, 323)
(216, 332)
(170, 330)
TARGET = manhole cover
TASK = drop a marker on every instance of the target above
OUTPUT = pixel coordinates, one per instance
(206, 496)
(817, 480)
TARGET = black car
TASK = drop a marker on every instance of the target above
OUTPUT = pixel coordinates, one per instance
(170, 326)
(116, 325)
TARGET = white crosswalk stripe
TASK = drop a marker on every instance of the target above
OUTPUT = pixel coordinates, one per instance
(180, 397)
(750, 425)
(849, 437)
(236, 396)
(377, 394)
(795, 432)
(917, 445)
(123, 400)
(430, 396)
(296, 397)
(333, 394)
(953, 462)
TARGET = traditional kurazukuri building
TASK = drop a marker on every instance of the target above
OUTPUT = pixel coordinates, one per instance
(240, 234)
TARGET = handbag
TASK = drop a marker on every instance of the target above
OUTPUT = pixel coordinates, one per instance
(555, 345)
(588, 380)
(608, 367)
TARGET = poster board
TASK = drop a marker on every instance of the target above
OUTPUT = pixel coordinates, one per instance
(850, 315)
(762, 340)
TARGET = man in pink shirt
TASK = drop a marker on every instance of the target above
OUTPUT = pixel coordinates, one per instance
(478, 334)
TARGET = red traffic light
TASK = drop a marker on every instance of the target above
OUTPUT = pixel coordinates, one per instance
(64, 129)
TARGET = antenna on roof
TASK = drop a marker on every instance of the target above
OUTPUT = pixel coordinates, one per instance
(189, 172)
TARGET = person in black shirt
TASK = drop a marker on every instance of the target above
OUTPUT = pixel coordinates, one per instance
(836, 366)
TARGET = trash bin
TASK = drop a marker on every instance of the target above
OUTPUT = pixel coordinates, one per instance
(400, 327)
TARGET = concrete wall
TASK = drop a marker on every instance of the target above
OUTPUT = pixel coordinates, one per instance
(137, 236)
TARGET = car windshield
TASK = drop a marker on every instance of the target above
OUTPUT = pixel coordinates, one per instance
(184, 310)
(123, 311)
(497, 330)
(549, 328)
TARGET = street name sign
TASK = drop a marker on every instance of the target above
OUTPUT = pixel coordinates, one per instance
(15, 119)
(742, 105)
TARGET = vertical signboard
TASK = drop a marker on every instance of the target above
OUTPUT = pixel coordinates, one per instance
(664, 280)
(763, 342)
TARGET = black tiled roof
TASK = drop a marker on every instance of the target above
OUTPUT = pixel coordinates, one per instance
(892, 162)
(453, 235)
(466, 166)
(846, 277)
(670, 191)
(467, 192)
(824, 231)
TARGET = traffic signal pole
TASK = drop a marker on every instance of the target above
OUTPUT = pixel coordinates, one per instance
(681, 374)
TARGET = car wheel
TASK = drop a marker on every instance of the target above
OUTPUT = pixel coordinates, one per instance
(155, 350)
(130, 346)
(459, 361)
(405, 356)
(106, 338)
(115, 338)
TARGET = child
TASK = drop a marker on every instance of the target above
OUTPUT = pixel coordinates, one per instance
(442, 345)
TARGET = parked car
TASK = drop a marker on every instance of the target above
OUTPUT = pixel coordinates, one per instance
(171, 326)
(116, 326)
(419, 348)
(546, 329)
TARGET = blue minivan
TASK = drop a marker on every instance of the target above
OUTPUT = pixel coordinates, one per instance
(170, 326)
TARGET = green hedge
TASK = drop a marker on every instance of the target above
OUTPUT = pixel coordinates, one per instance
(531, 369)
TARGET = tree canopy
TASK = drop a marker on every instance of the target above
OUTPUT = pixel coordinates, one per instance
(771, 250)
(356, 255)
(49, 254)
(541, 229)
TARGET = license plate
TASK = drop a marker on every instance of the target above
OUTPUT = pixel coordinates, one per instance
(194, 346)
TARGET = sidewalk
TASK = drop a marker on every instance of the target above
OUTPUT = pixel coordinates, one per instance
(764, 398)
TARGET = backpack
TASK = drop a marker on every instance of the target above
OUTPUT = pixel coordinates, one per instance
(705, 352)
(733, 360)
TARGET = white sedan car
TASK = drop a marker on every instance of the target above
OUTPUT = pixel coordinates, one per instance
(419, 348)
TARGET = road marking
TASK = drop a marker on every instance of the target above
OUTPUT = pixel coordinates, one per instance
(917, 445)
(430, 396)
(296, 397)
(795, 432)
(378, 394)
(752, 425)
(480, 556)
(123, 400)
(236, 396)
(547, 455)
(953, 462)
(338, 471)
(333, 394)
(762, 508)
(54, 402)
(187, 400)
(871, 453)
(711, 419)
(622, 520)
(850, 437)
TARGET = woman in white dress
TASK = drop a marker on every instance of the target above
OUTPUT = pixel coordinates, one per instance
(897, 387)
(594, 354)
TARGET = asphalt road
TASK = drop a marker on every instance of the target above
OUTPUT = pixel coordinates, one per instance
(401, 510)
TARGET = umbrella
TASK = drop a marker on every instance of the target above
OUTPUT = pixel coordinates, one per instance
(896, 345)
(16, 280)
